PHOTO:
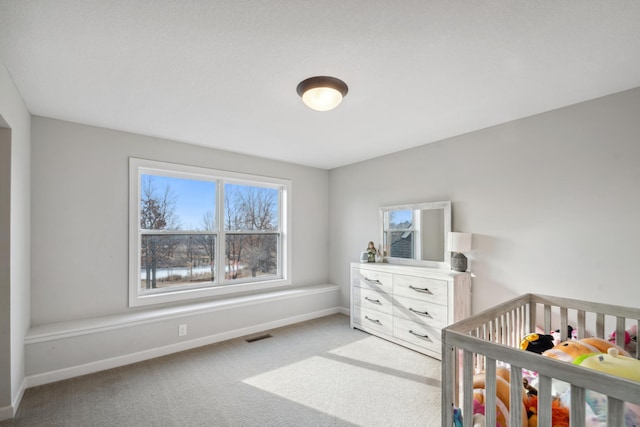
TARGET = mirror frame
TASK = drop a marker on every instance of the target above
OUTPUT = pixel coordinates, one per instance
(446, 205)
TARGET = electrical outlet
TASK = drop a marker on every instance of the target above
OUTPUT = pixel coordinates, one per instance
(182, 330)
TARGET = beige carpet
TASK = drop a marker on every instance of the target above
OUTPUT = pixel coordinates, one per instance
(316, 373)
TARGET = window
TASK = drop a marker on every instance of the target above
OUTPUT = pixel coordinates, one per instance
(399, 232)
(198, 232)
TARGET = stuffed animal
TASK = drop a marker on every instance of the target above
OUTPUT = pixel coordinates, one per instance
(457, 417)
(503, 378)
(559, 413)
(568, 351)
(572, 334)
(537, 343)
(630, 338)
(531, 390)
(612, 363)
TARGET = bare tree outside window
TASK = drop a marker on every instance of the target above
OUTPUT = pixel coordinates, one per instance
(207, 242)
(194, 231)
(250, 214)
(157, 212)
(171, 255)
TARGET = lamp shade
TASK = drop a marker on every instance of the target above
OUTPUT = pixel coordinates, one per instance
(322, 93)
(459, 242)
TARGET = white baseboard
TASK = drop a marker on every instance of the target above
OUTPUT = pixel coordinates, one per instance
(8, 412)
(100, 365)
(344, 311)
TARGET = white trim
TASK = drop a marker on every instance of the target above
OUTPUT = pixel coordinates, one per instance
(114, 362)
(218, 288)
(6, 412)
(9, 412)
(344, 311)
(61, 330)
(446, 206)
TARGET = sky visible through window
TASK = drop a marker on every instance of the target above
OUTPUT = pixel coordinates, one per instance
(193, 198)
(400, 219)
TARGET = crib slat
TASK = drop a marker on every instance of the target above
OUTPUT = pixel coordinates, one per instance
(504, 329)
(600, 325)
(637, 342)
(467, 387)
(449, 370)
(577, 418)
(564, 324)
(479, 358)
(532, 317)
(544, 401)
(615, 417)
(582, 324)
(620, 332)
(490, 392)
(515, 397)
(519, 326)
(510, 330)
(547, 318)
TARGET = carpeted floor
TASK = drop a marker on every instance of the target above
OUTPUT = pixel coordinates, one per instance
(315, 373)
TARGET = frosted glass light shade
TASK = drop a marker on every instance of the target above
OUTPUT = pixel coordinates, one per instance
(322, 93)
(459, 242)
(322, 98)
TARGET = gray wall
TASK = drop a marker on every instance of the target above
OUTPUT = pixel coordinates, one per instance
(80, 215)
(15, 241)
(552, 201)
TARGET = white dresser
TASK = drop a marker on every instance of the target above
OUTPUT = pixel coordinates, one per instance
(408, 305)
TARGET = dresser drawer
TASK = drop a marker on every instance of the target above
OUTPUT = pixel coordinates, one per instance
(373, 300)
(372, 319)
(406, 304)
(377, 280)
(418, 334)
(432, 290)
(420, 311)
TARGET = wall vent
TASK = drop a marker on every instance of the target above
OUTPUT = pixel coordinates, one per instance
(258, 338)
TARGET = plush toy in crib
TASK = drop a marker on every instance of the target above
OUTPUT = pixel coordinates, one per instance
(503, 378)
(559, 413)
(572, 334)
(537, 343)
(612, 363)
(630, 338)
(568, 351)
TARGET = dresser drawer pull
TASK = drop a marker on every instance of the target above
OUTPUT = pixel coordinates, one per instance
(374, 281)
(423, 290)
(376, 321)
(421, 313)
(424, 337)
(375, 301)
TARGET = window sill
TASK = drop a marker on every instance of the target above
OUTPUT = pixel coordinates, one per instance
(69, 329)
(136, 300)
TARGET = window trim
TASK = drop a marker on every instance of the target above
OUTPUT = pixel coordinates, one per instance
(139, 166)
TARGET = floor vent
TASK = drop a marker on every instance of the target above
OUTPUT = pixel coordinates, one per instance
(261, 337)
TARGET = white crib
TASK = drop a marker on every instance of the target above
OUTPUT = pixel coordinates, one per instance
(492, 338)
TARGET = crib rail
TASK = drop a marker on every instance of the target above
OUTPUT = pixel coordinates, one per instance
(491, 338)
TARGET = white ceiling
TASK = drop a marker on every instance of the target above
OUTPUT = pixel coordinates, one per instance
(224, 73)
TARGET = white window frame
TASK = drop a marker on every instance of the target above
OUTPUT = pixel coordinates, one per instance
(138, 167)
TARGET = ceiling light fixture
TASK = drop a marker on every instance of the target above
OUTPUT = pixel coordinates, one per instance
(322, 93)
